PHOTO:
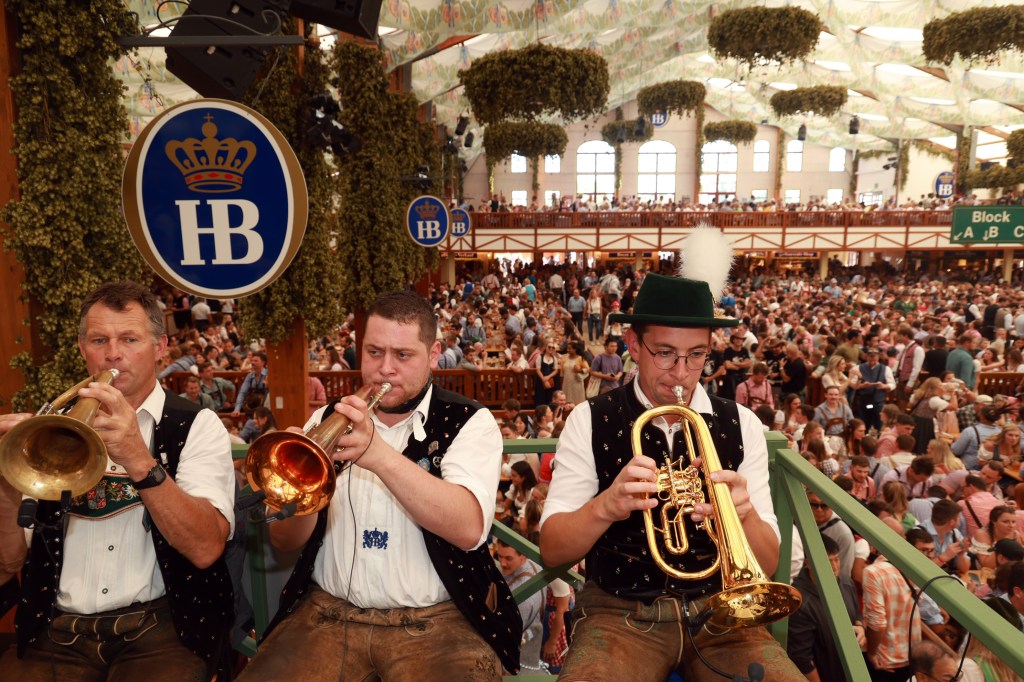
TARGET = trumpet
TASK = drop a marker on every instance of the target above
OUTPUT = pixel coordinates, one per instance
(748, 598)
(296, 472)
(50, 454)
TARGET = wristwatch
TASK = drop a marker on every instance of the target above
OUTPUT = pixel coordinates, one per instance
(157, 475)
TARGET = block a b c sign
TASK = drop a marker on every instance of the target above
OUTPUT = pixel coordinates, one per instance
(214, 199)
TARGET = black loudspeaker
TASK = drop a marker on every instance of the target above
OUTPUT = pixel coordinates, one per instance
(985, 165)
(358, 17)
(216, 70)
(801, 133)
(854, 125)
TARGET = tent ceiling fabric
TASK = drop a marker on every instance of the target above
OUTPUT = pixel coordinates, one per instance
(872, 48)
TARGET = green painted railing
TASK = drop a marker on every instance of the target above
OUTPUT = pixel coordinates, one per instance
(790, 475)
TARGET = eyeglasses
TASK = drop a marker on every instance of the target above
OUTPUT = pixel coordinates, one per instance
(667, 359)
(818, 505)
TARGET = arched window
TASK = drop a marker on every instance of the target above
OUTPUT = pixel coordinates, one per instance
(595, 171)
(717, 172)
(837, 160)
(794, 156)
(656, 165)
(762, 156)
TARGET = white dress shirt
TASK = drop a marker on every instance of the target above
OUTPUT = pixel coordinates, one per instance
(374, 554)
(110, 563)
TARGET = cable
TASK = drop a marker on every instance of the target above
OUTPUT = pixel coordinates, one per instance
(351, 572)
(910, 625)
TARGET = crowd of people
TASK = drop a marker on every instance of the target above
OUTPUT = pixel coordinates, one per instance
(498, 203)
(872, 375)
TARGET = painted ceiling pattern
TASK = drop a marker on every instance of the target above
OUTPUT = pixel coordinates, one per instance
(873, 48)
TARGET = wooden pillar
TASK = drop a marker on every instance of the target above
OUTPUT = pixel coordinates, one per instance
(288, 367)
(1007, 265)
(15, 337)
(823, 265)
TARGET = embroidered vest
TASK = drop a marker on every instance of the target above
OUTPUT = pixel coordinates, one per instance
(472, 578)
(620, 561)
(201, 600)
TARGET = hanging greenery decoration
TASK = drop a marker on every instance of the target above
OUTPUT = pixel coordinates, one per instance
(618, 133)
(780, 157)
(66, 228)
(736, 132)
(286, 99)
(671, 97)
(854, 170)
(534, 81)
(934, 151)
(995, 177)
(762, 35)
(373, 245)
(977, 34)
(699, 149)
(1015, 144)
(823, 100)
(525, 138)
(963, 159)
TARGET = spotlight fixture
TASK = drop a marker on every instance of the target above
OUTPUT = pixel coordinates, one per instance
(468, 140)
(764, 122)
(801, 133)
(641, 126)
(326, 131)
(460, 127)
(854, 125)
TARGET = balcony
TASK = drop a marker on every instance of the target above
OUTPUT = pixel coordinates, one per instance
(665, 231)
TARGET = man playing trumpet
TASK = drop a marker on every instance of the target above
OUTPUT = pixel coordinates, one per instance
(631, 615)
(394, 581)
(127, 583)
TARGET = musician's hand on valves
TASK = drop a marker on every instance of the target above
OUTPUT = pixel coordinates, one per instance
(356, 446)
(633, 489)
(117, 426)
(737, 487)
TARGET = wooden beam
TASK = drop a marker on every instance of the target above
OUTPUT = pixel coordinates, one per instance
(15, 337)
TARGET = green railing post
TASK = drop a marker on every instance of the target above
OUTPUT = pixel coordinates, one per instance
(1002, 638)
(784, 516)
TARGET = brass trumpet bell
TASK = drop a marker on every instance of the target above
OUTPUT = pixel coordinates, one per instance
(50, 453)
(297, 471)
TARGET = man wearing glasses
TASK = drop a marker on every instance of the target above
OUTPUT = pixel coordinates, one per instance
(631, 617)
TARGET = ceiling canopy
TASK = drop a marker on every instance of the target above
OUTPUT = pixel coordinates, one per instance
(871, 48)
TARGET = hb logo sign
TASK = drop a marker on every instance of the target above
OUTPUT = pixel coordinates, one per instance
(215, 199)
(428, 220)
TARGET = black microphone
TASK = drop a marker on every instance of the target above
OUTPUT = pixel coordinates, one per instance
(755, 672)
(27, 512)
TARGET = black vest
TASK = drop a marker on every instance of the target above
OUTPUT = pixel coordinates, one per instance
(201, 600)
(472, 578)
(620, 561)
(868, 374)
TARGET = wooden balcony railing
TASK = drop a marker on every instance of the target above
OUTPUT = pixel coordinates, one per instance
(723, 219)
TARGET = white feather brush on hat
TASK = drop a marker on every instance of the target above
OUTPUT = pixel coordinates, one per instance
(707, 256)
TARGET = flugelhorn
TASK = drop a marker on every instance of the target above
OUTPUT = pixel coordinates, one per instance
(748, 598)
(49, 454)
(296, 471)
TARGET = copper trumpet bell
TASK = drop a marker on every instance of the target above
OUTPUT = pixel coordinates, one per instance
(748, 598)
(298, 470)
(51, 453)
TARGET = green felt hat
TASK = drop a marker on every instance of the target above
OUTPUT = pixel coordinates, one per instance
(674, 302)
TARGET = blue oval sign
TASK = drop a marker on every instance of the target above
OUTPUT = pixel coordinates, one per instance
(944, 184)
(659, 118)
(214, 198)
(428, 220)
(461, 223)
